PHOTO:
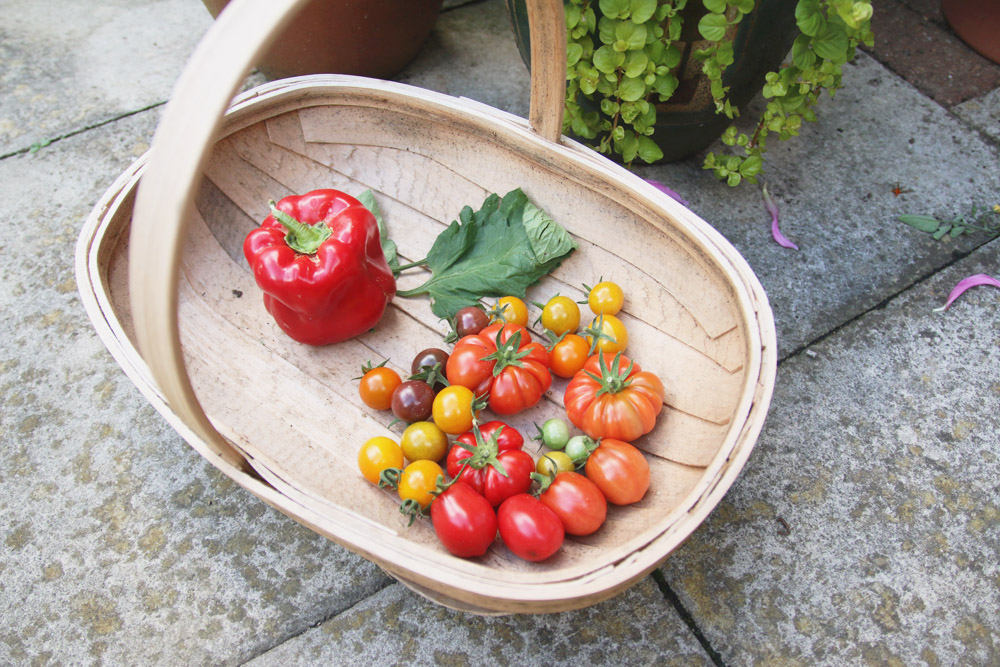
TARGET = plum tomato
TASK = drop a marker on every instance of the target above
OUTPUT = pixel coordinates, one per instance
(418, 481)
(605, 298)
(470, 320)
(619, 470)
(465, 523)
(412, 401)
(560, 315)
(511, 310)
(377, 386)
(577, 501)
(423, 441)
(378, 454)
(453, 409)
(529, 528)
(568, 355)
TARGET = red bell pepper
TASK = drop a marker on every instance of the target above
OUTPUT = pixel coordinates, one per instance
(318, 259)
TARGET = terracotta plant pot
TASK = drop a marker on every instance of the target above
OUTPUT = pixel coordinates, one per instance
(375, 38)
(688, 123)
(977, 23)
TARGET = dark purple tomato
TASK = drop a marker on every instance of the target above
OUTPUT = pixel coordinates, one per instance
(412, 401)
(470, 320)
(429, 358)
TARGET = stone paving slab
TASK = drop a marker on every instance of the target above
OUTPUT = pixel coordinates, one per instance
(396, 627)
(983, 113)
(834, 187)
(865, 528)
(68, 64)
(121, 545)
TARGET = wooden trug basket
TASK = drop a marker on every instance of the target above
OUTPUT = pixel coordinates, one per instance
(161, 273)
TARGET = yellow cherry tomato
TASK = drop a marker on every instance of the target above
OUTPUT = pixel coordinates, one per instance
(378, 454)
(423, 441)
(607, 333)
(605, 298)
(452, 409)
(551, 463)
(561, 315)
(418, 480)
(512, 310)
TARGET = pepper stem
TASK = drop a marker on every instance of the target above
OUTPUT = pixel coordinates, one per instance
(301, 237)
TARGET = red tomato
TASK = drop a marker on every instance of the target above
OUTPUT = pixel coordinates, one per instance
(529, 528)
(464, 521)
(619, 470)
(612, 397)
(502, 361)
(577, 502)
(499, 445)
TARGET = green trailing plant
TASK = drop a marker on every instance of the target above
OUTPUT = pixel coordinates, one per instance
(980, 220)
(623, 57)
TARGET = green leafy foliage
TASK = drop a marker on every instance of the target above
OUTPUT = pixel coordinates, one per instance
(622, 60)
(981, 220)
(499, 250)
(831, 31)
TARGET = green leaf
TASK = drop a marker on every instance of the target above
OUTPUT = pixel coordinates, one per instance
(802, 56)
(745, 6)
(831, 42)
(923, 223)
(712, 27)
(649, 151)
(631, 89)
(715, 6)
(633, 34)
(367, 198)
(513, 244)
(614, 9)
(666, 85)
(809, 17)
(574, 52)
(635, 63)
(607, 59)
(642, 10)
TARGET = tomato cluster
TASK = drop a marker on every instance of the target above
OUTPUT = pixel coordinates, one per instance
(489, 484)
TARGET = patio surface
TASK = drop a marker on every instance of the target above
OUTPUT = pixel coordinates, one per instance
(865, 528)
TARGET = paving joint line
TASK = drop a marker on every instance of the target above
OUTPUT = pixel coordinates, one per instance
(321, 621)
(34, 148)
(687, 617)
(956, 258)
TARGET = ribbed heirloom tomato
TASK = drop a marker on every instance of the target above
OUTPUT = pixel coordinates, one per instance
(478, 458)
(612, 397)
(501, 361)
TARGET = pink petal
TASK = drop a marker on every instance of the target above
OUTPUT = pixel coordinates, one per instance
(772, 208)
(664, 189)
(971, 281)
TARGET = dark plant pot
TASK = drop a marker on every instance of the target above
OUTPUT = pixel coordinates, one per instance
(977, 23)
(688, 122)
(374, 38)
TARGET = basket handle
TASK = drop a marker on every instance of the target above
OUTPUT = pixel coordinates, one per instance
(187, 131)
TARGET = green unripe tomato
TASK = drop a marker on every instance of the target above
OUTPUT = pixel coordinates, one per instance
(555, 433)
(579, 447)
